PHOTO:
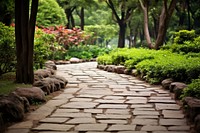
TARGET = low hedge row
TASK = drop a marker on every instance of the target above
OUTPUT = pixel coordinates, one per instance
(154, 66)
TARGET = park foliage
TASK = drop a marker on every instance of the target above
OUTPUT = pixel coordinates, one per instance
(179, 60)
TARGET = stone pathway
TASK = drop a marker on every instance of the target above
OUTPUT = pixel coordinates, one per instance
(96, 101)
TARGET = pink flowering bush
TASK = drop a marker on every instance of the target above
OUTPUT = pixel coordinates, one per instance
(69, 37)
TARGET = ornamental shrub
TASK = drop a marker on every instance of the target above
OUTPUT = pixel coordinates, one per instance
(50, 14)
(193, 89)
(184, 42)
(7, 49)
(184, 35)
(154, 66)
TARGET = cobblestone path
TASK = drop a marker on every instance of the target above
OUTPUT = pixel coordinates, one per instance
(96, 101)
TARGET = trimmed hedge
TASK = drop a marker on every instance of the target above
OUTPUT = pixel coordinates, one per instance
(193, 89)
(154, 66)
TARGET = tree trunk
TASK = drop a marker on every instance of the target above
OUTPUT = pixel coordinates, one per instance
(82, 18)
(164, 21)
(146, 27)
(122, 32)
(188, 12)
(24, 32)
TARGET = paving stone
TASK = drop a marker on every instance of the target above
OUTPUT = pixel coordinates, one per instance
(119, 90)
(132, 132)
(79, 105)
(73, 85)
(113, 121)
(73, 81)
(71, 90)
(81, 100)
(160, 98)
(145, 109)
(160, 106)
(172, 114)
(67, 111)
(117, 86)
(112, 116)
(113, 106)
(63, 96)
(90, 96)
(136, 101)
(81, 121)
(179, 128)
(137, 87)
(22, 125)
(96, 91)
(91, 127)
(161, 101)
(118, 127)
(142, 106)
(160, 91)
(153, 128)
(71, 115)
(144, 121)
(91, 81)
(125, 94)
(109, 101)
(170, 132)
(99, 86)
(54, 132)
(54, 120)
(53, 127)
(18, 131)
(114, 97)
(172, 122)
(94, 111)
(146, 116)
(138, 112)
(98, 132)
(117, 111)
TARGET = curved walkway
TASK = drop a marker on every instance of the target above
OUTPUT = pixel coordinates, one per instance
(96, 101)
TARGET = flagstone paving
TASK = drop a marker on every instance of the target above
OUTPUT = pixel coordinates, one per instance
(97, 101)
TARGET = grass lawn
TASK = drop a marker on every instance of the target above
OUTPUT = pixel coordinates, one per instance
(7, 83)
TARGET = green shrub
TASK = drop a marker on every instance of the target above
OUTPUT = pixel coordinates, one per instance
(50, 14)
(184, 42)
(193, 89)
(154, 66)
(7, 49)
(184, 35)
(44, 47)
(86, 52)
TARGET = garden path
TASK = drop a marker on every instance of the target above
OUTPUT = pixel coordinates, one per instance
(97, 101)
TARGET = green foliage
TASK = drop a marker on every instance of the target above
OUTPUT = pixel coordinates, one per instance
(154, 66)
(184, 42)
(7, 83)
(7, 49)
(6, 11)
(102, 33)
(45, 48)
(50, 14)
(193, 89)
(85, 52)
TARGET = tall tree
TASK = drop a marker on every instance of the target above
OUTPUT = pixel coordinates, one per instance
(125, 9)
(25, 21)
(145, 6)
(164, 19)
